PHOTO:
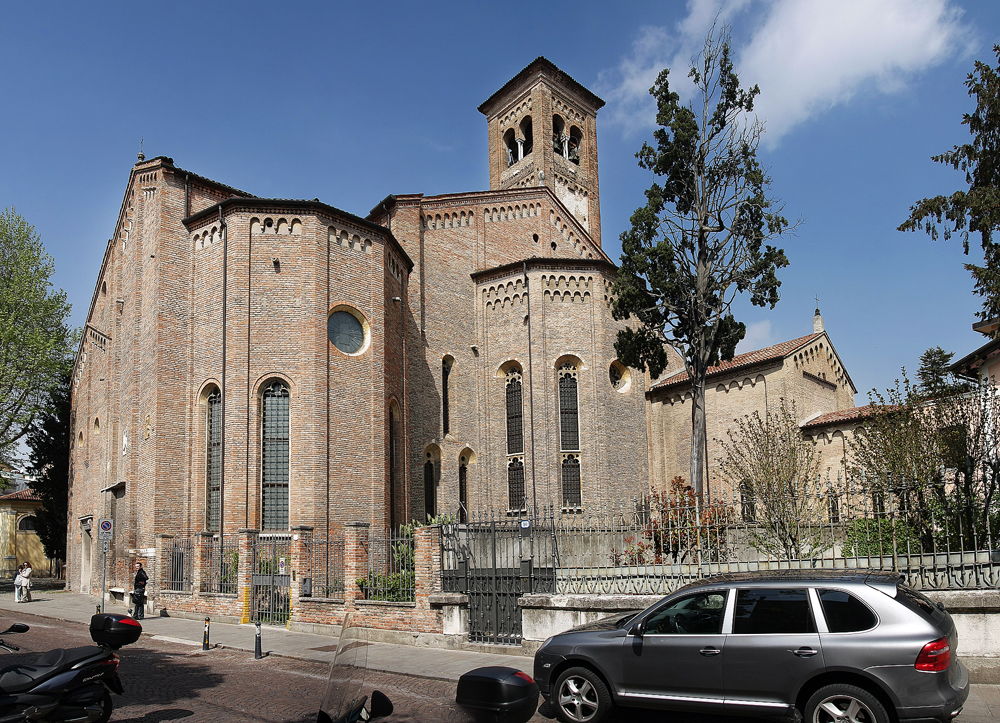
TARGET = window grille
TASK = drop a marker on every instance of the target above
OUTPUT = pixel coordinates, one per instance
(515, 484)
(463, 493)
(515, 413)
(445, 417)
(213, 471)
(748, 505)
(569, 427)
(274, 457)
(429, 501)
(571, 482)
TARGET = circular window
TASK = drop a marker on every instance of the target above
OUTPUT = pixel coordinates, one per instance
(346, 332)
(619, 376)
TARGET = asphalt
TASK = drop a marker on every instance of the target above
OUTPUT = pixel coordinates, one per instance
(982, 706)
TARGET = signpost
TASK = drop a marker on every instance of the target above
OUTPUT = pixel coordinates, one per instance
(105, 533)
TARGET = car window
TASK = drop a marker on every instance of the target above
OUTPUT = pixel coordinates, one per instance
(845, 613)
(696, 614)
(772, 611)
(917, 602)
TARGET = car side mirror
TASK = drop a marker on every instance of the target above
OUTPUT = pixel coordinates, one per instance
(637, 630)
(16, 628)
(381, 706)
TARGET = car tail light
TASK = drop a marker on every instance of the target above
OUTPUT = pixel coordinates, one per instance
(935, 657)
(525, 676)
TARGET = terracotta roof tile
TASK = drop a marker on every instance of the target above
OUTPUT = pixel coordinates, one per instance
(27, 495)
(842, 415)
(751, 358)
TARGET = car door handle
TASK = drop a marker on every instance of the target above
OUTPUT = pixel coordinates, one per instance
(804, 652)
(709, 652)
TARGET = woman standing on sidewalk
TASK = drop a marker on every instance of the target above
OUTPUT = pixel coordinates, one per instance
(25, 582)
(17, 583)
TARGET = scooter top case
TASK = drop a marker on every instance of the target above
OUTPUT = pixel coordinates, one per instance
(498, 695)
(114, 630)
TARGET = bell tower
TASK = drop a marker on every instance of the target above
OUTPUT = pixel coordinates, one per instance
(543, 132)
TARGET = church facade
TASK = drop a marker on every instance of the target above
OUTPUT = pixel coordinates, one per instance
(254, 363)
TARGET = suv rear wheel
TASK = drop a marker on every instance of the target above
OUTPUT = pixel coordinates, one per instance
(581, 697)
(842, 703)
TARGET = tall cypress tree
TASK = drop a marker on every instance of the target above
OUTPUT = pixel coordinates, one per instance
(49, 440)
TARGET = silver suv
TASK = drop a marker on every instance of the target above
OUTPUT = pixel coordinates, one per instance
(832, 646)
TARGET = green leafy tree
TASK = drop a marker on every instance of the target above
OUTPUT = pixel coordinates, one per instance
(34, 338)
(934, 375)
(777, 471)
(976, 210)
(699, 240)
(49, 442)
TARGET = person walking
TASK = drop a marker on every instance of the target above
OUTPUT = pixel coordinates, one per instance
(26, 582)
(17, 583)
(139, 592)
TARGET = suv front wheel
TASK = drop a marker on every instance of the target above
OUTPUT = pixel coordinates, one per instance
(842, 703)
(581, 697)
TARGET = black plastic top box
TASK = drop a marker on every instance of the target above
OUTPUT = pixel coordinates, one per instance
(498, 695)
(114, 630)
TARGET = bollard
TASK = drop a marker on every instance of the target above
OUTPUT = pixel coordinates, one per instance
(257, 655)
(204, 640)
(98, 609)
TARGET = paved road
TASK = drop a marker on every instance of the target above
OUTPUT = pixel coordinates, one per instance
(166, 680)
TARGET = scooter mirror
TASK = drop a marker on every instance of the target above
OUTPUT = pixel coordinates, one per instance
(16, 628)
(381, 706)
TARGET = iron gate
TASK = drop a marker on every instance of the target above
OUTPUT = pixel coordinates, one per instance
(495, 561)
(270, 581)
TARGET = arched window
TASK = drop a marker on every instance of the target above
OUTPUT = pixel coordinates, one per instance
(274, 457)
(515, 484)
(575, 144)
(463, 490)
(526, 137)
(446, 365)
(569, 435)
(26, 524)
(510, 147)
(559, 137)
(213, 462)
(515, 413)
(430, 488)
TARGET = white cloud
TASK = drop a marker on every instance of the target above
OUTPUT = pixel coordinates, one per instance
(759, 335)
(806, 56)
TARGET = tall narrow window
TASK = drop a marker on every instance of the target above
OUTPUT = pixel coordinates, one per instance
(430, 503)
(445, 374)
(274, 457)
(394, 517)
(515, 484)
(569, 436)
(463, 490)
(213, 465)
(515, 413)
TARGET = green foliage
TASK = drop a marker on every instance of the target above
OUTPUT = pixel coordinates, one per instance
(977, 209)
(35, 343)
(777, 471)
(934, 376)
(879, 537)
(700, 239)
(391, 587)
(49, 441)
(230, 569)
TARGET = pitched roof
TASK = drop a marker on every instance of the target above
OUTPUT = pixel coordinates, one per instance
(740, 361)
(27, 495)
(843, 415)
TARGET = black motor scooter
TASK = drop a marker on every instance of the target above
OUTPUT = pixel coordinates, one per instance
(72, 684)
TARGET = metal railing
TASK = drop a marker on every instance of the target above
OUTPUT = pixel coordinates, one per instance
(324, 576)
(935, 534)
(389, 568)
(179, 575)
(222, 559)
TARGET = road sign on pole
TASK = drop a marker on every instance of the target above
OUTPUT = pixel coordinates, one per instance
(106, 530)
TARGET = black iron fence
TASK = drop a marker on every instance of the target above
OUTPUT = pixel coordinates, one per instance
(324, 575)
(390, 573)
(179, 567)
(222, 559)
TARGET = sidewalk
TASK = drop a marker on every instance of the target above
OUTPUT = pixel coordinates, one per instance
(983, 705)
(403, 659)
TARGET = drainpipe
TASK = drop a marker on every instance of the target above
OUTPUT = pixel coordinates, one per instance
(531, 387)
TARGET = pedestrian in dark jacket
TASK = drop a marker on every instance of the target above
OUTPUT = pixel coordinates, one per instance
(139, 592)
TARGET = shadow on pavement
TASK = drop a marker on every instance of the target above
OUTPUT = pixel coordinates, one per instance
(158, 715)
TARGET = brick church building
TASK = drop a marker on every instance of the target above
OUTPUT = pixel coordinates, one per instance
(257, 363)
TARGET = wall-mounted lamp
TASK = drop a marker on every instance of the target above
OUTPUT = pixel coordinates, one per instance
(396, 299)
(277, 265)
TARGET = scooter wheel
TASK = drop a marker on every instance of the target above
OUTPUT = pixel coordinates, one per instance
(107, 706)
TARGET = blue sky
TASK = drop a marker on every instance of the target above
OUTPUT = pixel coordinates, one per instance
(348, 102)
